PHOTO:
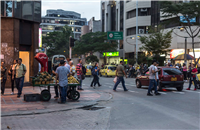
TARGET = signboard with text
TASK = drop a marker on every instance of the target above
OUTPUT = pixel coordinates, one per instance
(115, 35)
(111, 54)
(40, 37)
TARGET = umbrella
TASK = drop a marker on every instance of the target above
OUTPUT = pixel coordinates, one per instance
(181, 57)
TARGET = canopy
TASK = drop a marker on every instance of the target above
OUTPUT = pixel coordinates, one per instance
(181, 57)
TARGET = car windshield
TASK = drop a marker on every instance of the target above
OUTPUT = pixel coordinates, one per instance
(56, 59)
(112, 68)
(171, 71)
(89, 67)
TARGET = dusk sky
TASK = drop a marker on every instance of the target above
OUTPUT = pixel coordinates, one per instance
(87, 9)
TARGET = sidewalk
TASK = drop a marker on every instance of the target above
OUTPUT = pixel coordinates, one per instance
(13, 106)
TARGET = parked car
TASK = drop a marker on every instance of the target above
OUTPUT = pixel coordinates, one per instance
(168, 77)
(88, 70)
(108, 70)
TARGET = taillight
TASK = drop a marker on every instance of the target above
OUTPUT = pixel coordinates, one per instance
(107, 70)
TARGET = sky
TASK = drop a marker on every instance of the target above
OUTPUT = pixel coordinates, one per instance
(87, 9)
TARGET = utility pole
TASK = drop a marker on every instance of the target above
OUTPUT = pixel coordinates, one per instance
(70, 48)
(185, 56)
(136, 31)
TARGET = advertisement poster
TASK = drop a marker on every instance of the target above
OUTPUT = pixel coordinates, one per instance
(40, 37)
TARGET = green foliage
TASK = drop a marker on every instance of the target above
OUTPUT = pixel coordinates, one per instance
(156, 42)
(94, 42)
(58, 42)
(91, 59)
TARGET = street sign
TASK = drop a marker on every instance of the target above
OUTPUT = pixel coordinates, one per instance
(115, 35)
(111, 54)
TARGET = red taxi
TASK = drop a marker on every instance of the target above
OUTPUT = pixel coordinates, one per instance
(168, 77)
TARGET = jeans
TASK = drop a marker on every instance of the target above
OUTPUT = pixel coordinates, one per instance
(120, 79)
(19, 84)
(194, 79)
(152, 84)
(12, 83)
(155, 86)
(80, 78)
(3, 86)
(130, 74)
(95, 80)
(63, 93)
(56, 90)
(185, 75)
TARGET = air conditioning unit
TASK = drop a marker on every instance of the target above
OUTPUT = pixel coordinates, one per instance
(143, 10)
(141, 31)
(186, 1)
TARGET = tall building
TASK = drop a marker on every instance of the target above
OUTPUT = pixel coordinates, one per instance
(20, 22)
(56, 19)
(94, 25)
(121, 16)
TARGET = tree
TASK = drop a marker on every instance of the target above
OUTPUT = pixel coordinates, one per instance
(57, 42)
(156, 42)
(189, 11)
(91, 59)
(94, 42)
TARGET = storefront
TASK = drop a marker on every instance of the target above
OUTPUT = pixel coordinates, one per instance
(20, 34)
(111, 57)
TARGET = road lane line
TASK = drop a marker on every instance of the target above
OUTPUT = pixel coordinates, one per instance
(109, 83)
(162, 92)
(178, 92)
(133, 91)
(191, 91)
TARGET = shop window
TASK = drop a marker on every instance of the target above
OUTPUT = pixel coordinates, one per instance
(9, 8)
(17, 9)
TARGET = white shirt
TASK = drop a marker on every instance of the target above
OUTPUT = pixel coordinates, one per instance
(68, 66)
(156, 72)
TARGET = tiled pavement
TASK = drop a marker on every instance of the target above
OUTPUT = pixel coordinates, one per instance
(11, 105)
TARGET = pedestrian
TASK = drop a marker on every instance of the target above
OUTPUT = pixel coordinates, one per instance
(130, 71)
(189, 71)
(185, 72)
(152, 75)
(79, 73)
(120, 73)
(193, 77)
(72, 68)
(10, 72)
(67, 65)
(61, 75)
(20, 71)
(56, 86)
(198, 68)
(95, 73)
(3, 77)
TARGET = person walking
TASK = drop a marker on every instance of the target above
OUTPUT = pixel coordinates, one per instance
(10, 72)
(72, 68)
(185, 72)
(95, 73)
(20, 71)
(193, 77)
(3, 77)
(130, 71)
(120, 73)
(152, 75)
(61, 75)
(79, 73)
(55, 86)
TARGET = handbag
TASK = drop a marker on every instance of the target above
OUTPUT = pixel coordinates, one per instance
(115, 80)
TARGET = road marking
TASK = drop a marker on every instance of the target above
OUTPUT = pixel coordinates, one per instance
(178, 92)
(109, 83)
(133, 91)
(162, 92)
(12, 100)
(191, 91)
(110, 86)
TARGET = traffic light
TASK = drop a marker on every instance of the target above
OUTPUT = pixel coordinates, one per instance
(71, 41)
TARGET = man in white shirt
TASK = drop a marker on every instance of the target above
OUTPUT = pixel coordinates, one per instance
(67, 65)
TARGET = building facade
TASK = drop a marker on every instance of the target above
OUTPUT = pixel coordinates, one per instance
(121, 16)
(56, 19)
(20, 22)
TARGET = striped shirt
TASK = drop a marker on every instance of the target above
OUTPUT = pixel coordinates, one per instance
(78, 69)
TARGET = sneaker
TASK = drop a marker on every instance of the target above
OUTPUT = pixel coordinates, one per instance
(56, 97)
(149, 94)
(80, 89)
(114, 90)
(94, 87)
(157, 93)
(18, 96)
(126, 90)
(188, 89)
(99, 85)
(195, 89)
(12, 93)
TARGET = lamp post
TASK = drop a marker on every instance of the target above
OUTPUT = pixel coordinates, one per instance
(136, 46)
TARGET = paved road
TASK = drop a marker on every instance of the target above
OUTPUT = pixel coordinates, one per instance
(126, 110)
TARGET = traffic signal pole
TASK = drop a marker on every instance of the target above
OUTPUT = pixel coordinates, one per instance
(70, 48)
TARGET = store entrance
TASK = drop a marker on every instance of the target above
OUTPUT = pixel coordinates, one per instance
(24, 55)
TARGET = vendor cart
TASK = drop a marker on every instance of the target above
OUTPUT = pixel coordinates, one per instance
(46, 95)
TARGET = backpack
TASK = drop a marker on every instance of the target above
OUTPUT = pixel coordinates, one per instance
(94, 72)
(17, 65)
(84, 70)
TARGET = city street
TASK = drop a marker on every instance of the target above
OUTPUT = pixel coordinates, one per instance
(125, 110)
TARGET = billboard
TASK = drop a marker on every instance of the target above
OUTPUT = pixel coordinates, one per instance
(176, 52)
(183, 20)
(40, 37)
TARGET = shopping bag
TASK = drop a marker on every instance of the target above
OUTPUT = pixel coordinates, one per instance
(115, 80)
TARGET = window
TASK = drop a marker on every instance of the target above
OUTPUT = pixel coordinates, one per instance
(131, 31)
(2, 8)
(27, 10)
(171, 71)
(37, 11)
(112, 68)
(17, 9)
(9, 8)
(131, 14)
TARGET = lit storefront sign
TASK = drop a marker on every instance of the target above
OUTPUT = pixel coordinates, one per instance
(40, 37)
(176, 52)
(111, 54)
(196, 51)
(125, 61)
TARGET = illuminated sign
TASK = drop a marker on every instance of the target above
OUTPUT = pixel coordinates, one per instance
(40, 37)
(125, 61)
(176, 52)
(183, 20)
(111, 54)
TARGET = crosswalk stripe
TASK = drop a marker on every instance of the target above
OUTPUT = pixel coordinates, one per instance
(191, 91)
(178, 92)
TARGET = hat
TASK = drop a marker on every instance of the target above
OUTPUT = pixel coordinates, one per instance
(62, 62)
